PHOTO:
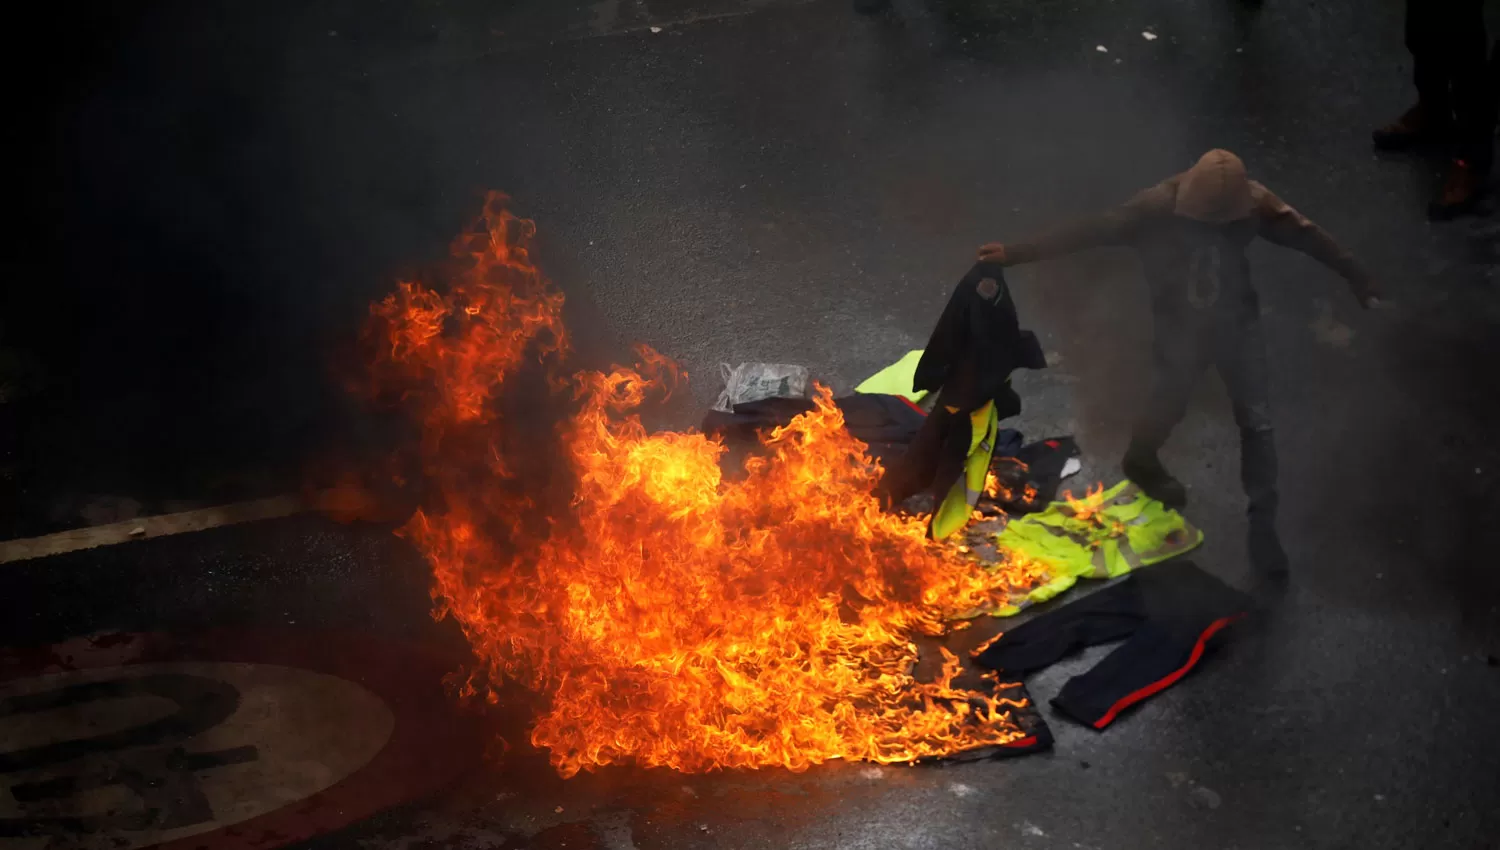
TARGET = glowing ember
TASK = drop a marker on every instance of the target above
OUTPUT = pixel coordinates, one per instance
(998, 492)
(668, 616)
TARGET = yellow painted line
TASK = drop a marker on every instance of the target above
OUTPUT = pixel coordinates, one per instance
(146, 528)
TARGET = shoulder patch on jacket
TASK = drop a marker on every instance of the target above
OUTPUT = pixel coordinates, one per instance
(988, 289)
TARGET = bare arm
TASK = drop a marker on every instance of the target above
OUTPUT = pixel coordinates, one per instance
(1281, 224)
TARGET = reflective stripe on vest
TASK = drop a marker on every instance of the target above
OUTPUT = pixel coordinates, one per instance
(953, 514)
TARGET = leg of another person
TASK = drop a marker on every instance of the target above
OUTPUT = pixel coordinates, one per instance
(1430, 121)
(1461, 32)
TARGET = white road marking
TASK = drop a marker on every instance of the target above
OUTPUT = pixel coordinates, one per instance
(146, 528)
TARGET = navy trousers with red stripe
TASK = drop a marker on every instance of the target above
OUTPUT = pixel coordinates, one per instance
(1167, 615)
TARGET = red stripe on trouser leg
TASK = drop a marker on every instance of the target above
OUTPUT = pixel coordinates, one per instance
(1171, 678)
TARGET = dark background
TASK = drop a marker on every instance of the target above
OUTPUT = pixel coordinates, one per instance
(211, 194)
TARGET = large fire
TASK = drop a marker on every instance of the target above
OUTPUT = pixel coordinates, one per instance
(667, 615)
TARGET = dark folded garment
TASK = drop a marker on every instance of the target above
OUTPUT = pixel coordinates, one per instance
(1167, 615)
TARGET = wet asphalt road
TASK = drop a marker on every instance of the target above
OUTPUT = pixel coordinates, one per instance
(782, 180)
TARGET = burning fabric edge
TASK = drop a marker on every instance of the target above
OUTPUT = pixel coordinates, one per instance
(670, 617)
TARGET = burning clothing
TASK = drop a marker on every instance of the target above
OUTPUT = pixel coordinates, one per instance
(933, 461)
(1030, 475)
(887, 424)
(977, 343)
(1104, 535)
(662, 613)
(1037, 736)
(963, 494)
(1167, 616)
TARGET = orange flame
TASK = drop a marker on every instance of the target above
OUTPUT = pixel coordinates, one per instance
(1091, 504)
(668, 616)
(998, 492)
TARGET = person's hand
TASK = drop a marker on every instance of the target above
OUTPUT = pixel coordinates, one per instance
(994, 252)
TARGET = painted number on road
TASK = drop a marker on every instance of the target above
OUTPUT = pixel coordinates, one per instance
(132, 756)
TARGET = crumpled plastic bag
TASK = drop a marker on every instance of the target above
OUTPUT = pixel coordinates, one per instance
(756, 381)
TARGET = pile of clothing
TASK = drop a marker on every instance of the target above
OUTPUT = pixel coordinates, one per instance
(885, 423)
(942, 454)
(1027, 476)
(967, 364)
(932, 420)
(1101, 536)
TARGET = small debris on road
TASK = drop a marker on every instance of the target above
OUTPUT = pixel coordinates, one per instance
(1204, 798)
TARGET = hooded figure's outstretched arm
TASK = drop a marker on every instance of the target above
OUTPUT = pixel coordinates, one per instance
(1281, 224)
(1113, 227)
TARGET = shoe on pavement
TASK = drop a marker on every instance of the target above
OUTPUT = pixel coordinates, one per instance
(1462, 189)
(1415, 128)
(1266, 554)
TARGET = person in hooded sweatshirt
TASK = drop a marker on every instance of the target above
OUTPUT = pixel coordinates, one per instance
(1191, 231)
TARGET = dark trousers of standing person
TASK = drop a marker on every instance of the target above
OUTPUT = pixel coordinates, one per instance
(1236, 346)
(1453, 75)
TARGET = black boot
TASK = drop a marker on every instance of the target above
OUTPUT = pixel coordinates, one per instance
(1144, 469)
(1266, 554)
